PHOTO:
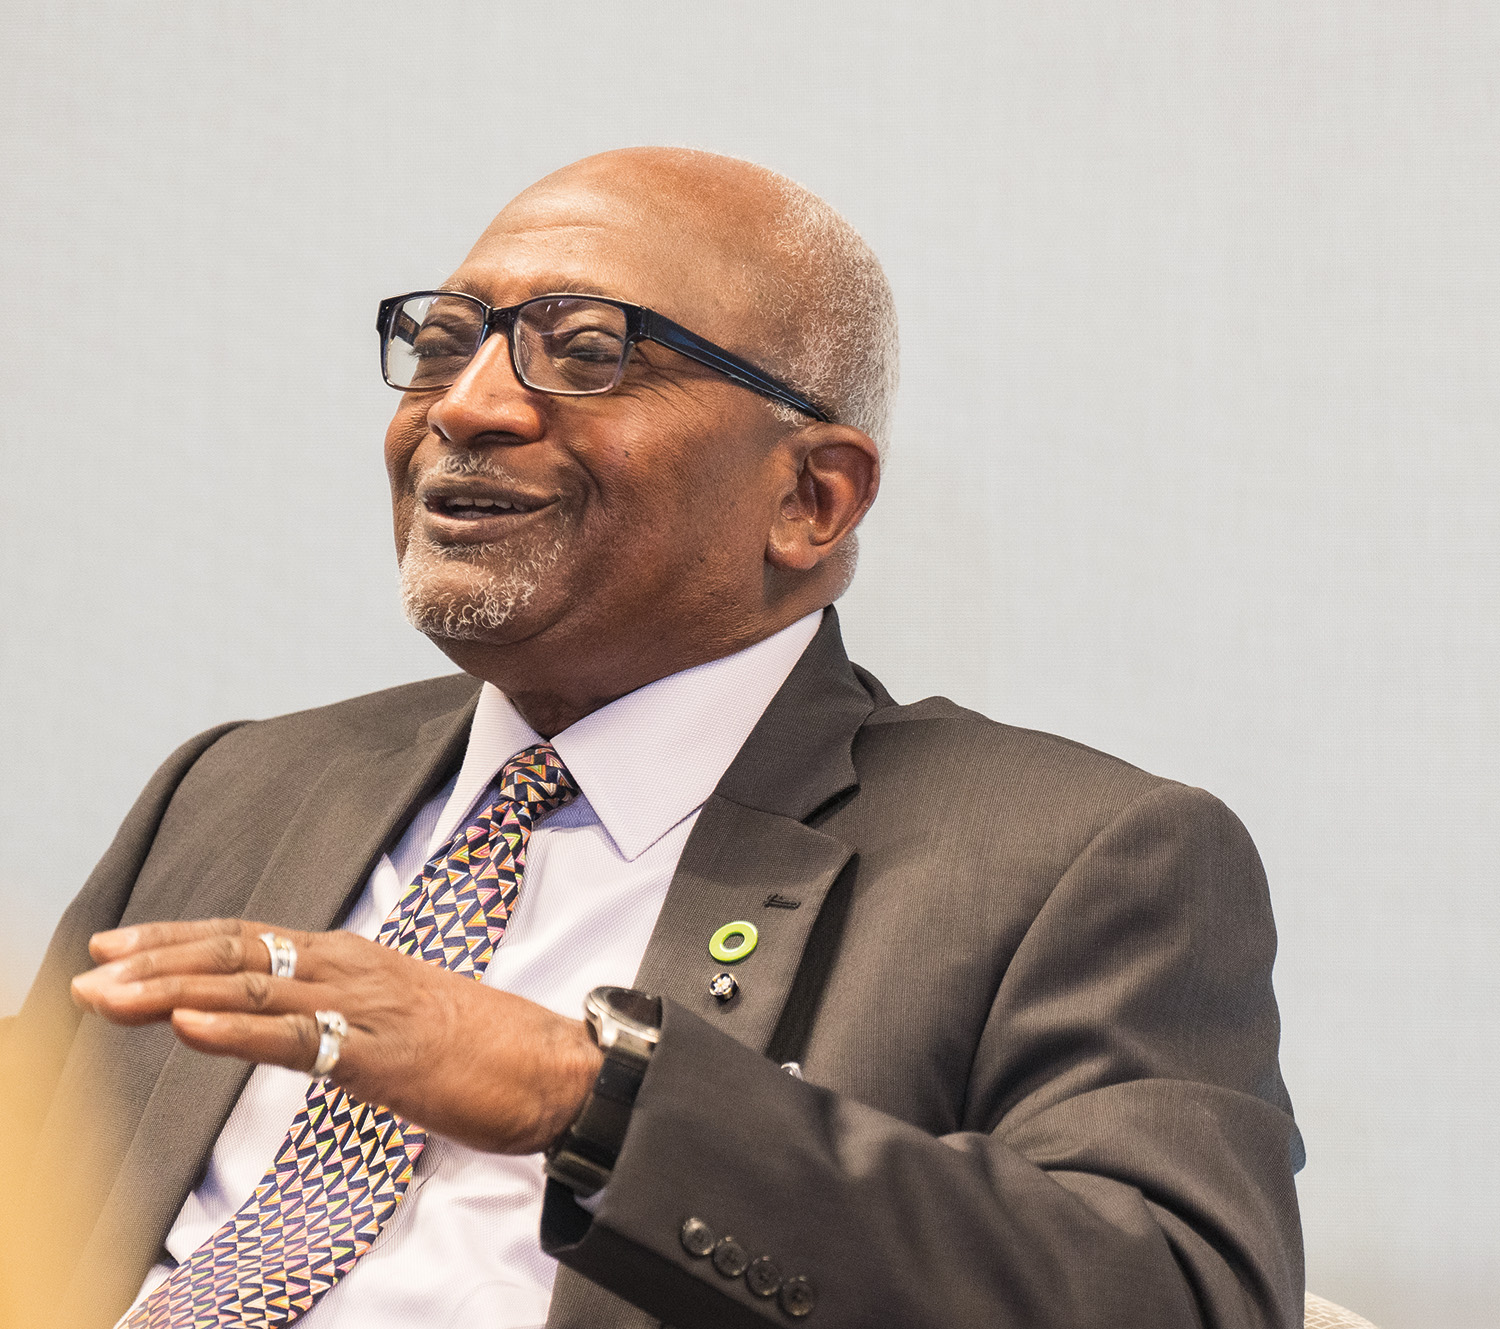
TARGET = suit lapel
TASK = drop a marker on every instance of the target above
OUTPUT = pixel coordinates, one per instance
(752, 857)
(741, 865)
(352, 814)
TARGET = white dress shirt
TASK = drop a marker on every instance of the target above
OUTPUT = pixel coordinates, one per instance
(463, 1246)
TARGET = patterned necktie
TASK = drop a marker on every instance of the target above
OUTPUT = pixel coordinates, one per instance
(345, 1165)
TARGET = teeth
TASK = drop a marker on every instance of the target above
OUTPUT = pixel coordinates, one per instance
(488, 504)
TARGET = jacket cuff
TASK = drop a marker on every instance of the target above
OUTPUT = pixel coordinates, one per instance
(668, 1189)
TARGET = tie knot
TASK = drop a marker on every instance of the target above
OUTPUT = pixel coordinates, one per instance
(537, 780)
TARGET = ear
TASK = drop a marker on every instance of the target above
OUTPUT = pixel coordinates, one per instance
(831, 476)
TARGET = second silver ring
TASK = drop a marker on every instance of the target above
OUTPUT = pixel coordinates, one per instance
(333, 1029)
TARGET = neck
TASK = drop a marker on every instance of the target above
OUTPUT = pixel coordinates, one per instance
(553, 684)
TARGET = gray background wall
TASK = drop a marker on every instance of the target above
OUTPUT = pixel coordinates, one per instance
(1196, 457)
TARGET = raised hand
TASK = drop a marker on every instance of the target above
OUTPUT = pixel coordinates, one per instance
(486, 1068)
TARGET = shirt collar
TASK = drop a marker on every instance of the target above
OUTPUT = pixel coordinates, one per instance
(651, 757)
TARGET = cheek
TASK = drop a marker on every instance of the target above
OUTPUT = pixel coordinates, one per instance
(698, 507)
(403, 436)
(661, 489)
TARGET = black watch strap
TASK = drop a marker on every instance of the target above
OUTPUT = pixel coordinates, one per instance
(584, 1155)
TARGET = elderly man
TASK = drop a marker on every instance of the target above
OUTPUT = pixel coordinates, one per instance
(893, 1015)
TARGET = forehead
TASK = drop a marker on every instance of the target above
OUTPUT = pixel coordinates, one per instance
(635, 245)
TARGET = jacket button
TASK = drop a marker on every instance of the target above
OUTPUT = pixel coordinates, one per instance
(730, 1258)
(797, 1297)
(763, 1277)
(697, 1237)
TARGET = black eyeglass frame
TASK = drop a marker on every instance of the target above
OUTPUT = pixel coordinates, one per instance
(641, 324)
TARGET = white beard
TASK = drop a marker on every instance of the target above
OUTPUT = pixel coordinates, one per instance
(489, 600)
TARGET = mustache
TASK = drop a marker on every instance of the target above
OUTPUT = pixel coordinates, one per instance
(455, 465)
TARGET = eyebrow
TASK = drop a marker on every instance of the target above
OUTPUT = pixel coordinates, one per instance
(561, 286)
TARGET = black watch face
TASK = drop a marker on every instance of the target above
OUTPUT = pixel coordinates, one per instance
(640, 1007)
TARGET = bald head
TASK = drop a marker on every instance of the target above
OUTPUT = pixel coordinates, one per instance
(794, 287)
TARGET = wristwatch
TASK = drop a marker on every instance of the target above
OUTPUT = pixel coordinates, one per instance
(625, 1024)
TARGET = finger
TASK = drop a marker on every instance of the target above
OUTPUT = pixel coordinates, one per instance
(223, 953)
(224, 946)
(142, 1001)
(289, 1040)
(125, 943)
(120, 942)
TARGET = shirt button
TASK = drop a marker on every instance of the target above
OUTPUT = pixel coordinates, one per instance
(763, 1277)
(797, 1297)
(730, 1258)
(697, 1237)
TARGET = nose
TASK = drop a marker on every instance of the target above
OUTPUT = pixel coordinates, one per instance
(488, 403)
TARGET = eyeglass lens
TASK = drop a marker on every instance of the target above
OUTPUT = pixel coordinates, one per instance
(565, 344)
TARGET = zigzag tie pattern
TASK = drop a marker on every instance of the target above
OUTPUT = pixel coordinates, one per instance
(345, 1165)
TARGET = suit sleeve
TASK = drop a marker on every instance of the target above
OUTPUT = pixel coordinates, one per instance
(1128, 1154)
(35, 1042)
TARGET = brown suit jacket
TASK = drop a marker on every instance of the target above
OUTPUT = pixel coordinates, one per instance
(1029, 985)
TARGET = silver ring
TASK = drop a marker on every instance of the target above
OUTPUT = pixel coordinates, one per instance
(283, 955)
(332, 1030)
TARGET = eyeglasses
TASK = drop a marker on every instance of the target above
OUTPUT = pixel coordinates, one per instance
(572, 345)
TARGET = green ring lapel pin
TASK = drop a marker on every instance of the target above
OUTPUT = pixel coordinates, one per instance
(733, 941)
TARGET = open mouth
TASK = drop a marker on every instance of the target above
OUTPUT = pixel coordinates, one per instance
(463, 508)
(468, 512)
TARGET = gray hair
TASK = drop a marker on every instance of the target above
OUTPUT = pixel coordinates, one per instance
(810, 276)
(830, 292)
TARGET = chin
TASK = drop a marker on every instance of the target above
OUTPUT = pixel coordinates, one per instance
(456, 593)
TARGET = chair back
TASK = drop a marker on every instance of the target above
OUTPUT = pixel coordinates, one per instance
(1320, 1314)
